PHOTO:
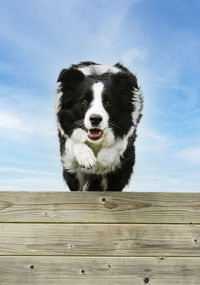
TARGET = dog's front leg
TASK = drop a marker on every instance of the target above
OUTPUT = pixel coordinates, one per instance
(82, 152)
(84, 156)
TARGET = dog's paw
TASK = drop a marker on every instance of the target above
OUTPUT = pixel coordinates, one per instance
(84, 156)
(87, 162)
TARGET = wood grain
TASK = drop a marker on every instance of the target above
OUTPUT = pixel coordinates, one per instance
(99, 270)
(99, 239)
(100, 207)
(96, 238)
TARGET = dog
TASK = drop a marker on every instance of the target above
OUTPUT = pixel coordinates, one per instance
(98, 109)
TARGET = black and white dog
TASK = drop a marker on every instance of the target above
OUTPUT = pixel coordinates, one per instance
(98, 109)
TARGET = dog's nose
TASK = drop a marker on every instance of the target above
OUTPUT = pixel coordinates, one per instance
(95, 119)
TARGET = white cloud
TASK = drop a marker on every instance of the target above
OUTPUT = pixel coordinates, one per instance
(190, 154)
(37, 184)
(11, 121)
(151, 140)
(98, 33)
(133, 54)
(25, 127)
(25, 116)
(20, 170)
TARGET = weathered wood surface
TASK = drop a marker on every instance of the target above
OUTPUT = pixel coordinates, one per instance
(85, 270)
(99, 239)
(57, 238)
(99, 207)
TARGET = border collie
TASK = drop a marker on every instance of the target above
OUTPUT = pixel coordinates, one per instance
(98, 109)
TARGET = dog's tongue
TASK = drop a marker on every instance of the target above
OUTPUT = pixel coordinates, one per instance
(94, 133)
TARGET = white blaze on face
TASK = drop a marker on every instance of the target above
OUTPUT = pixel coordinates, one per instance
(96, 107)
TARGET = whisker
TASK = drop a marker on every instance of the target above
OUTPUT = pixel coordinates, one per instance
(78, 123)
(114, 125)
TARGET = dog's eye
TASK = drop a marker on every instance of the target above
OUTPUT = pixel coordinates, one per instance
(107, 103)
(84, 102)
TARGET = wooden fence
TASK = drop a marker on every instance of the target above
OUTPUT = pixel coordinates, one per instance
(98, 238)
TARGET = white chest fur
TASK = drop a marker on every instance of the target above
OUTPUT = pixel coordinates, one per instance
(83, 156)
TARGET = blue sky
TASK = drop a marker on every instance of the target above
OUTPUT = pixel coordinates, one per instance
(158, 40)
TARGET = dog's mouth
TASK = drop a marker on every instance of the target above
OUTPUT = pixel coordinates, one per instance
(95, 134)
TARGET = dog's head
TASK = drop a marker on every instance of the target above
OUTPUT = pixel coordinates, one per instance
(99, 100)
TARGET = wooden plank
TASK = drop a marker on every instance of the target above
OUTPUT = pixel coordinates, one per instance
(97, 271)
(99, 207)
(76, 282)
(99, 239)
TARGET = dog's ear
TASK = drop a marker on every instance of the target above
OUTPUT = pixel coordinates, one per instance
(125, 79)
(61, 75)
(70, 75)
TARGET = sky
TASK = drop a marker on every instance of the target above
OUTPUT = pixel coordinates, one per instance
(157, 40)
